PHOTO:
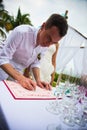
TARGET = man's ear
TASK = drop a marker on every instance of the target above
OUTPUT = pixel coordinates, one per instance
(43, 26)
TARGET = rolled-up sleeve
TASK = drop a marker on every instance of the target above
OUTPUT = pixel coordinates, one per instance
(9, 47)
(37, 62)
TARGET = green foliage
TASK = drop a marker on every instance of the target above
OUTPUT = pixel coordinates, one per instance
(65, 77)
(1, 5)
(22, 19)
(56, 76)
(9, 22)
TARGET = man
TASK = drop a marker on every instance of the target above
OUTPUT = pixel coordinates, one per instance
(24, 48)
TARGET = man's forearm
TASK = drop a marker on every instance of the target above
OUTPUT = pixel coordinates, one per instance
(8, 68)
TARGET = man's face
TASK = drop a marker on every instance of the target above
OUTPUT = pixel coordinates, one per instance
(49, 36)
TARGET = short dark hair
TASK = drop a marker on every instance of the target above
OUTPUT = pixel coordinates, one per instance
(59, 21)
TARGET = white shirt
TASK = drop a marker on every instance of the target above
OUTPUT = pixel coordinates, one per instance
(20, 49)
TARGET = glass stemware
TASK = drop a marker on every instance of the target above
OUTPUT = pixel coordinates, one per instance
(81, 120)
(71, 101)
(54, 127)
(55, 106)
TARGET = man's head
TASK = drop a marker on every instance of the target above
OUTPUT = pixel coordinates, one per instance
(58, 21)
(52, 30)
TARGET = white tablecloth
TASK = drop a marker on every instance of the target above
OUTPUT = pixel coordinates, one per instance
(28, 114)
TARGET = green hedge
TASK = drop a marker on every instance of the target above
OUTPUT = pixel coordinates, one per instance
(64, 77)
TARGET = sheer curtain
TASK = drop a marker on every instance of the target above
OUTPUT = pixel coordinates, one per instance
(71, 49)
(80, 60)
(84, 70)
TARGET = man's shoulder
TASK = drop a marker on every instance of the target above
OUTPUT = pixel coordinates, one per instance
(25, 28)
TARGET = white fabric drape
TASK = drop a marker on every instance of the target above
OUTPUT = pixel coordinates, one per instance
(80, 60)
(70, 50)
(85, 61)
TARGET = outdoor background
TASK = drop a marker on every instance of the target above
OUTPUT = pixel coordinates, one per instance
(40, 10)
(17, 12)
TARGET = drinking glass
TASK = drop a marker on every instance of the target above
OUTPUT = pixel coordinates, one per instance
(55, 106)
(81, 115)
(72, 98)
(54, 127)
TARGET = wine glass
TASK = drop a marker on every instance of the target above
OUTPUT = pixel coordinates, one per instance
(68, 118)
(54, 127)
(81, 120)
(55, 106)
(69, 106)
(78, 98)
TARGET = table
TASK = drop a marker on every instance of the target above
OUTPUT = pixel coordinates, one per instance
(28, 114)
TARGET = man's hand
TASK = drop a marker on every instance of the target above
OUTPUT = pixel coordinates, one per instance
(21, 79)
(44, 85)
(27, 83)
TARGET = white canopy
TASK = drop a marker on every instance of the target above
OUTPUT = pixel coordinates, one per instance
(72, 52)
